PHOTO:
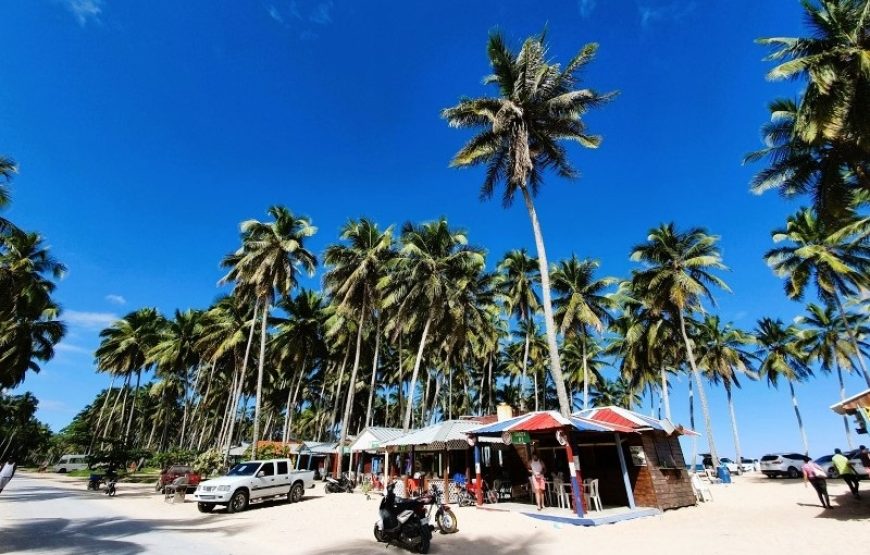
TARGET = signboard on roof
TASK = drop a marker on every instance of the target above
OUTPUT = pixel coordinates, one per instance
(520, 438)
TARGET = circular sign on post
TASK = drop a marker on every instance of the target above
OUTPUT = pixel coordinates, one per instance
(506, 438)
(561, 437)
(472, 440)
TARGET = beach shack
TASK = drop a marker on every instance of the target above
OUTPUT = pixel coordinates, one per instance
(438, 453)
(603, 465)
(857, 407)
(367, 451)
(316, 455)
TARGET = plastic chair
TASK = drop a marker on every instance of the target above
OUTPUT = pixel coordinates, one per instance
(590, 493)
(702, 492)
(711, 476)
(177, 490)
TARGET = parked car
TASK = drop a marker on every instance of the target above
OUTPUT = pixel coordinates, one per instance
(749, 465)
(253, 481)
(732, 466)
(68, 463)
(782, 464)
(828, 466)
(171, 473)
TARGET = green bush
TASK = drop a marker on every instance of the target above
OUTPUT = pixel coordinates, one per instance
(208, 463)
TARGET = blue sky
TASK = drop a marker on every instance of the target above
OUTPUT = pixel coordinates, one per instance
(147, 131)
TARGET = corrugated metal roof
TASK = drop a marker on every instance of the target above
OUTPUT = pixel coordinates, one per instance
(547, 420)
(385, 434)
(633, 420)
(437, 435)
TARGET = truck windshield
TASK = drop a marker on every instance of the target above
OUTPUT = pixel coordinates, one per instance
(244, 469)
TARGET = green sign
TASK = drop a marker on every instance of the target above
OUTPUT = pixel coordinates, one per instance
(520, 437)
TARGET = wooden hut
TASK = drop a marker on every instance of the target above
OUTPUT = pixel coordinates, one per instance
(635, 462)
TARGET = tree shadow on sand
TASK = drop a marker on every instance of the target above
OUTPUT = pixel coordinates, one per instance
(93, 535)
(440, 544)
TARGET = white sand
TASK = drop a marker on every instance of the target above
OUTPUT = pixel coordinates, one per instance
(748, 516)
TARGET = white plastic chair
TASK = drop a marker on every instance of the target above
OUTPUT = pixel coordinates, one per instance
(590, 492)
(702, 492)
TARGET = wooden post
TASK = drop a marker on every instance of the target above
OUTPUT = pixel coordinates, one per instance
(624, 468)
(446, 474)
(576, 477)
(478, 494)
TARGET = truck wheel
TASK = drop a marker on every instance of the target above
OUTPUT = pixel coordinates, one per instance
(296, 493)
(238, 502)
(205, 507)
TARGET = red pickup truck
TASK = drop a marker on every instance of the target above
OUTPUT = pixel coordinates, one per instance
(177, 471)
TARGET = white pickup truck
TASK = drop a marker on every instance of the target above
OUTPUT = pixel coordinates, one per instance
(253, 480)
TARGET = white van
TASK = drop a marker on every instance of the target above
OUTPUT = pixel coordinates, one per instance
(71, 462)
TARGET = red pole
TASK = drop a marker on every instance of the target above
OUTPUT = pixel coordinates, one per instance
(478, 494)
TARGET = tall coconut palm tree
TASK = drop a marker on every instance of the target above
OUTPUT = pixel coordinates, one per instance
(675, 278)
(822, 337)
(29, 324)
(434, 261)
(796, 167)
(835, 106)
(836, 260)
(581, 304)
(124, 348)
(299, 342)
(521, 133)
(781, 357)
(518, 275)
(268, 263)
(8, 168)
(583, 365)
(724, 357)
(356, 268)
(175, 354)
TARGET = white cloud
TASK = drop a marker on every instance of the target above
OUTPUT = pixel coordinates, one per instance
(585, 7)
(275, 14)
(116, 299)
(653, 12)
(90, 320)
(85, 10)
(50, 405)
(321, 14)
(70, 348)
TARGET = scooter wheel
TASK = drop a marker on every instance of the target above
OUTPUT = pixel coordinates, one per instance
(379, 536)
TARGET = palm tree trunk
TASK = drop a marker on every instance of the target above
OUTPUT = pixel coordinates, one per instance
(797, 413)
(692, 422)
(425, 399)
(133, 408)
(406, 425)
(666, 399)
(373, 383)
(733, 414)
(100, 417)
(555, 361)
(854, 339)
(237, 397)
(702, 395)
(258, 401)
(126, 389)
(351, 388)
(523, 379)
(435, 398)
(843, 398)
(491, 357)
(537, 392)
(585, 377)
(336, 392)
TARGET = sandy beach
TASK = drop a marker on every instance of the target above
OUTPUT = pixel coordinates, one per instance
(744, 516)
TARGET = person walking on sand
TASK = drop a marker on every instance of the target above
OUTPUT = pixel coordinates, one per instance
(815, 475)
(6, 474)
(536, 467)
(847, 472)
